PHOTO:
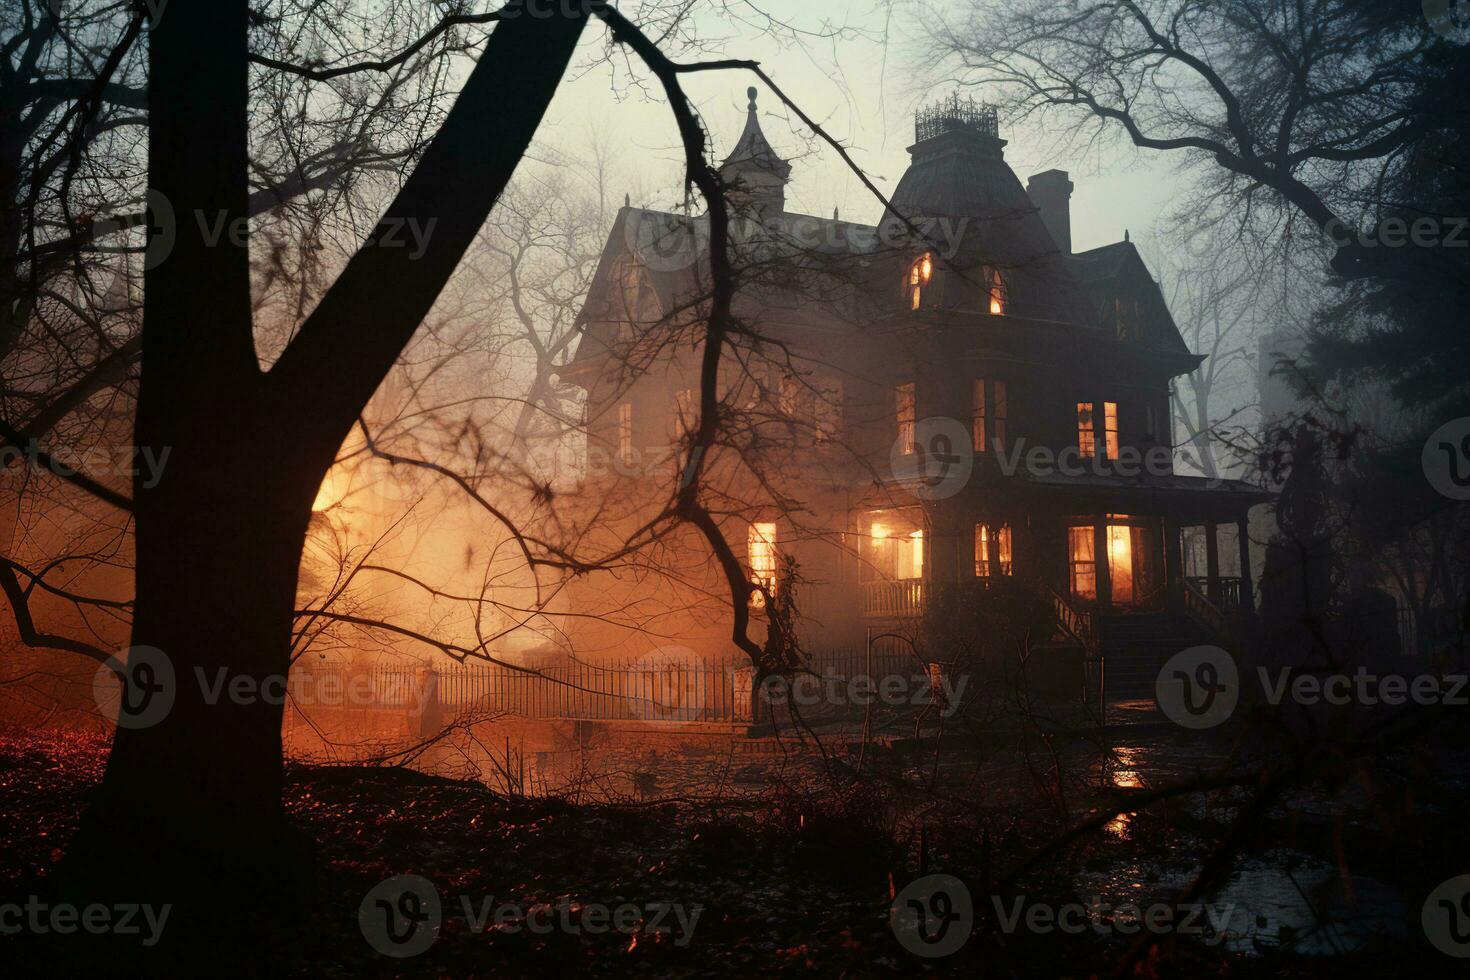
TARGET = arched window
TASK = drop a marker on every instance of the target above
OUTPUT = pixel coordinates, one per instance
(995, 297)
(919, 275)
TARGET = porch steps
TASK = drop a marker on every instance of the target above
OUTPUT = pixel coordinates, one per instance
(1135, 647)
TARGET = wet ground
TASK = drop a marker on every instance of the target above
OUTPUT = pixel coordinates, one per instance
(797, 850)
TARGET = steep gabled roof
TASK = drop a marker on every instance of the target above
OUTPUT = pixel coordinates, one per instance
(1117, 269)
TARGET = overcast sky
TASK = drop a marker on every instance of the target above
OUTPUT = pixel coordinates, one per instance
(865, 93)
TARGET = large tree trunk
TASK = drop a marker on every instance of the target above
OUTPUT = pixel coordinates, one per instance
(190, 807)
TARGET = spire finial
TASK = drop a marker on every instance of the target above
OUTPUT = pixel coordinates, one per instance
(750, 94)
(1125, 235)
(627, 200)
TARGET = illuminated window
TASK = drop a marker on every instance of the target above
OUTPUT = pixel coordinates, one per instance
(625, 432)
(904, 396)
(684, 411)
(1125, 318)
(1086, 434)
(990, 411)
(919, 275)
(896, 554)
(992, 543)
(1083, 562)
(999, 411)
(995, 297)
(761, 553)
(1110, 429)
(1120, 561)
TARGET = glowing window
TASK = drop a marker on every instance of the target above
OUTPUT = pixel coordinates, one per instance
(760, 546)
(625, 432)
(1086, 434)
(995, 297)
(919, 275)
(1082, 561)
(992, 543)
(1110, 428)
(904, 398)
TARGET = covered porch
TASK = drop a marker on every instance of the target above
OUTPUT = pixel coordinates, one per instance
(1099, 543)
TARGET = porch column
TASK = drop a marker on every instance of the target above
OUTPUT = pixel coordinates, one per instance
(1100, 561)
(1212, 562)
(1247, 597)
(1173, 559)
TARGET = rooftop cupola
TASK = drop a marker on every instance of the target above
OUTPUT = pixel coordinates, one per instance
(956, 125)
(756, 174)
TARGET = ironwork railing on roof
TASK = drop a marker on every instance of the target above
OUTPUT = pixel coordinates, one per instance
(955, 113)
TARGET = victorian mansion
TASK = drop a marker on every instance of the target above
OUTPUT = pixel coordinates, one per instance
(867, 352)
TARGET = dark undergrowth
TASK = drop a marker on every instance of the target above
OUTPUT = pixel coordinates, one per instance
(798, 886)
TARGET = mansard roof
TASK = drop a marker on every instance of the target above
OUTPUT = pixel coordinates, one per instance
(959, 177)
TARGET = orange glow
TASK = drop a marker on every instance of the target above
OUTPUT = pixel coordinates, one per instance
(761, 553)
(1120, 561)
(879, 532)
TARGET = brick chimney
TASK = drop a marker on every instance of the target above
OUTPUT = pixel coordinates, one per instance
(1051, 192)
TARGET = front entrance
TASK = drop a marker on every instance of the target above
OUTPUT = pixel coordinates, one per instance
(1133, 561)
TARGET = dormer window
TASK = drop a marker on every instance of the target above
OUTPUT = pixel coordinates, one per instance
(995, 295)
(919, 275)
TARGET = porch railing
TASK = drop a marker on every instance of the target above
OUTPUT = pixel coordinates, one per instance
(904, 597)
(1198, 605)
(1078, 624)
(1229, 590)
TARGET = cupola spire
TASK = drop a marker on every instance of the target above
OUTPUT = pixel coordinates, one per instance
(754, 169)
